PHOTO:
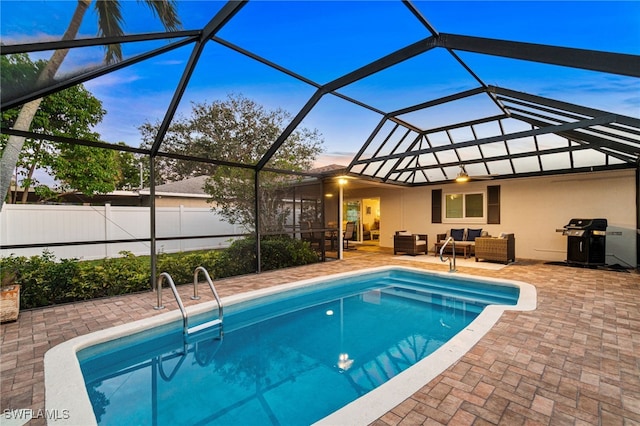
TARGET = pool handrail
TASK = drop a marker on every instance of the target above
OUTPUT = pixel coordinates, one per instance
(161, 277)
(211, 286)
(185, 321)
(452, 268)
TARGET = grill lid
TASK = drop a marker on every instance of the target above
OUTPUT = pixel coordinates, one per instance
(587, 224)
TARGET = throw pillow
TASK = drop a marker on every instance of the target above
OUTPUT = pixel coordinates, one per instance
(472, 234)
(457, 234)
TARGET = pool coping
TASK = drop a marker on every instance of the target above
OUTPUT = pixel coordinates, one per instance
(62, 367)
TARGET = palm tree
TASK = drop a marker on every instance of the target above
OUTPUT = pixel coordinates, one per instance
(109, 24)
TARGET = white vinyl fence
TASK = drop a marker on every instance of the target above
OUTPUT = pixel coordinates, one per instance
(45, 224)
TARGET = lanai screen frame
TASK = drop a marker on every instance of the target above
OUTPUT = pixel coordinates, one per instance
(617, 136)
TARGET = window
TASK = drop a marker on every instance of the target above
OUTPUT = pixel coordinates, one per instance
(469, 207)
(473, 205)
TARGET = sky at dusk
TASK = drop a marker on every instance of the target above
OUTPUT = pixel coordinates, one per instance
(324, 40)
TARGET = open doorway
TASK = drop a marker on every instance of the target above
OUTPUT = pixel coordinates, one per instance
(371, 221)
(365, 213)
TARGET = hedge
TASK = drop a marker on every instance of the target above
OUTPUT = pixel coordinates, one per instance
(47, 281)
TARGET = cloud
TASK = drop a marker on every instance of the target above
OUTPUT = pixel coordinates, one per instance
(329, 158)
(169, 62)
(111, 80)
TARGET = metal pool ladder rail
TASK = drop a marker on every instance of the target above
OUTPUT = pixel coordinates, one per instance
(185, 320)
(452, 268)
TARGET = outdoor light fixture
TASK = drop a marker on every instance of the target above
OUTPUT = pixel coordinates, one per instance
(342, 181)
(462, 176)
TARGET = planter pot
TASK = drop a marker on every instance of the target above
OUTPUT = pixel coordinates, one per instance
(9, 303)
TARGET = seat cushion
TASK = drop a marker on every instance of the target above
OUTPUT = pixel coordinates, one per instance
(472, 234)
(457, 234)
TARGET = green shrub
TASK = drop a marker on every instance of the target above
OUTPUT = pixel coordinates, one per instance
(275, 253)
(181, 266)
(46, 281)
(111, 277)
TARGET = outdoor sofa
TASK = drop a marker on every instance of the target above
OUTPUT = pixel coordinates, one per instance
(465, 241)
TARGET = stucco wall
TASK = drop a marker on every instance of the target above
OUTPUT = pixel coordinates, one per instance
(532, 209)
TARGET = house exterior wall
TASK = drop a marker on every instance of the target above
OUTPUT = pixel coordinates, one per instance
(531, 208)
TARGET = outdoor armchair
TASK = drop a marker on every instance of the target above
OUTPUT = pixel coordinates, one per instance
(500, 249)
(412, 244)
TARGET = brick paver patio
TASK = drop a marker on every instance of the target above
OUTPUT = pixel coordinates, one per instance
(574, 360)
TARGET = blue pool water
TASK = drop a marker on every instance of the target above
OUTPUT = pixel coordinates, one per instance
(286, 359)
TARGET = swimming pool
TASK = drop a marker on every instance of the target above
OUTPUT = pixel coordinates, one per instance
(375, 328)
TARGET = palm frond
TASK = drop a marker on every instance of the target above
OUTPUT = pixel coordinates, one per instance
(110, 25)
(167, 12)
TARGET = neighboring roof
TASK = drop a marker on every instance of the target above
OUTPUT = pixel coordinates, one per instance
(191, 187)
(507, 133)
(330, 170)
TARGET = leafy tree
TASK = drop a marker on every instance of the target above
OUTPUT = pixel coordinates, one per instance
(70, 113)
(237, 130)
(109, 25)
(129, 170)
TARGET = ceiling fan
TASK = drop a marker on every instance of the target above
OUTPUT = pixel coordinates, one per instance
(463, 176)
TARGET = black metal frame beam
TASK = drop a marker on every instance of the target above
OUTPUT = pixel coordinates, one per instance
(594, 142)
(290, 73)
(72, 141)
(142, 151)
(12, 49)
(402, 139)
(563, 106)
(588, 169)
(612, 132)
(465, 124)
(383, 63)
(84, 77)
(420, 17)
(548, 129)
(538, 153)
(218, 21)
(614, 135)
(611, 63)
(607, 132)
(455, 56)
(439, 101)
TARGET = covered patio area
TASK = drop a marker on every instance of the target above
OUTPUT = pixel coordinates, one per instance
(573, 360)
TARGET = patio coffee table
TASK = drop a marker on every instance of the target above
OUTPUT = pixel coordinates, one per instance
(461, 247)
